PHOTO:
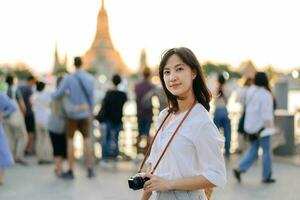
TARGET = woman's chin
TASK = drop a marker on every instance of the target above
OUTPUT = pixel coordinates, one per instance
(176, 93)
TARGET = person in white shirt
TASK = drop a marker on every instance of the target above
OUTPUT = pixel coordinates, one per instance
(41, 107)
(259, 116)
(194, 161)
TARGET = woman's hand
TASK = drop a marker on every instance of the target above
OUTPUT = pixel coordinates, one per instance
(156, 183)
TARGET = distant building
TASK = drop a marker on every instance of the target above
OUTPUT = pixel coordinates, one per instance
(102, 58)
(143, 61)
(59, 65)
(247, 69)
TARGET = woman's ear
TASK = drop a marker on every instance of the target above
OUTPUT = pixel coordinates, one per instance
(194, 74)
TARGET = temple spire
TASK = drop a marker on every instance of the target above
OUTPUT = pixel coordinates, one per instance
(56, 58)
(102, 37)
(102, 57)
(102, 5)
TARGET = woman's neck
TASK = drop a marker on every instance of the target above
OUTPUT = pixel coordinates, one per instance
(185, 103)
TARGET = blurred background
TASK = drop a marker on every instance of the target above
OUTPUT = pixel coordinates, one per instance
(232, 38)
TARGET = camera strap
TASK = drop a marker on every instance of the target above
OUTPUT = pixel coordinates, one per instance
(169, 142)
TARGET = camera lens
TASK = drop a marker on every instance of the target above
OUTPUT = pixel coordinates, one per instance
(137, 182)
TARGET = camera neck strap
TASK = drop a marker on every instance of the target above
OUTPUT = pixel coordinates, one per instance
(169, 142)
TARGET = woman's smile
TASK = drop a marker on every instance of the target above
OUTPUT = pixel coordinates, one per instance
(175, 85)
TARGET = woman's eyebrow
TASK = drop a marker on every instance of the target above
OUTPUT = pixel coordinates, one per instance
(177, 65)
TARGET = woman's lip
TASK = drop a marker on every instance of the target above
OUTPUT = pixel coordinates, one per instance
(175, 85)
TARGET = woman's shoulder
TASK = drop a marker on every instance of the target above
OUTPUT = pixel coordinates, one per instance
(264, 93)
(201, 125)
(163, 113)
(199, 116)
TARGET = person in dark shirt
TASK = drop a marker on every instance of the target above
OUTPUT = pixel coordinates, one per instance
(112, 106)
(26, 91)
(144, 90)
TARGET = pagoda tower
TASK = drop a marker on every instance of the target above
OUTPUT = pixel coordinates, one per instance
(102, 57)
(143, 61)
(59, 65)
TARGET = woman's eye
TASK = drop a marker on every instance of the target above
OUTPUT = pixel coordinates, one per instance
(179, 69)
(166, 72)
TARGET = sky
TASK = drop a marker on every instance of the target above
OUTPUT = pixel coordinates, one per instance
(264, 31)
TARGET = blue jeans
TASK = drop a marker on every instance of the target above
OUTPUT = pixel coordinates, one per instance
(144, 126)
(252, 154)
(222, 120)
(110, 140)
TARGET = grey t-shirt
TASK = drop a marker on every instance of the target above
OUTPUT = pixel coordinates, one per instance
(56, 122)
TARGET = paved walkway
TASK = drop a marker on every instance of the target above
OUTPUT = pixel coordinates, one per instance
(39, 183)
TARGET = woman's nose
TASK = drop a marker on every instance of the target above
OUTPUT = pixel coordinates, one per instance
(173, 77)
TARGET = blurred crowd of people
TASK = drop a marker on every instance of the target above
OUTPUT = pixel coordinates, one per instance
(31, 114)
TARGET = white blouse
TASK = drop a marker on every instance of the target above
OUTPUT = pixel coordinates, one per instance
(195, 150)
(259, 109)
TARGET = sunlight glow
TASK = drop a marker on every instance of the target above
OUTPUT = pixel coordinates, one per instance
(231, 31)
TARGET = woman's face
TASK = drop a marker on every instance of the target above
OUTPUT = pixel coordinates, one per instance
(178, 77)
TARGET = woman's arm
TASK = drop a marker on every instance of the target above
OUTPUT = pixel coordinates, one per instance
(157, 183)
(192, 183)
(146, 195)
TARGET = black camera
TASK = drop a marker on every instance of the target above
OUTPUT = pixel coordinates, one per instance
(137, 182)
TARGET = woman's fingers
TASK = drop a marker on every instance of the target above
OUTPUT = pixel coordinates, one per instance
(149, 175)
(147, 183)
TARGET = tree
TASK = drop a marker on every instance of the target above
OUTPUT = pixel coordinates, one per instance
(220, 68)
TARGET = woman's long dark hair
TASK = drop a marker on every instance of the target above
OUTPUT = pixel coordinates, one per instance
(200, 89)
(261, 80)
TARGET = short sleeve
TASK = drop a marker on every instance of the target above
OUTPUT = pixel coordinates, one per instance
(209, 143)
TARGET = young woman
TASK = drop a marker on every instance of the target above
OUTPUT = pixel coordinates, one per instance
(259, 115)
(7, 107)
(221, 118)
(193, 161)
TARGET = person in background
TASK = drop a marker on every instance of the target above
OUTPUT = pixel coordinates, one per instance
(41, 108)
(221, 118)
(79, 88)
(3, 85)
(27, 91)
(193, 161)
(7, 107)
(56, 127)
(259, 115)
(241, 94)
(143, 92)
(113, 104)
(16, 128)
